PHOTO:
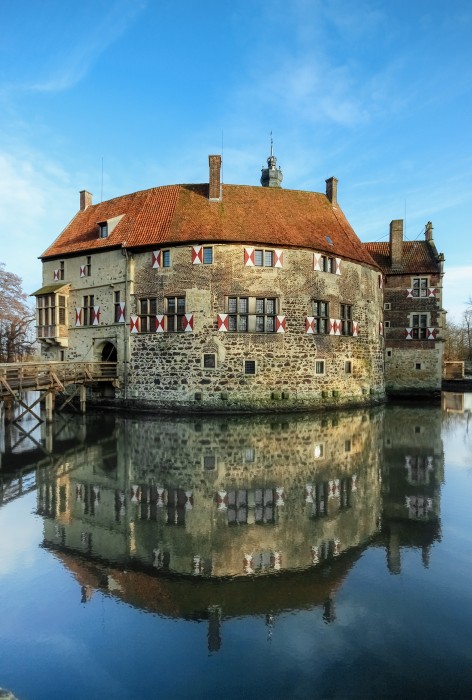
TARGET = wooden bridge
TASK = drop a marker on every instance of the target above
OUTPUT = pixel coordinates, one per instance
(49, 379)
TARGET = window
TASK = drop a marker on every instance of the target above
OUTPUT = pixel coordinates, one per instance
(319, 367)
(420, 286)
(61, 308)
(419, 324)
(387, 324)
(238, 313)
(147, 314)
(61, 270)
(249, 454)
(117, 307)
(388, 352)
(346, 319)
(320, 498)
(387, 306)
(250, 367)
(327, 264)
(209, 462)
(87, 310)
(318, 451)
(418, 365)
(260, 501)
(175, 312)
(265, 315)
(253, 314)
(207, 255)
(321, 317)
(166, 258)
(209, 360)
(348, 367)
(263, 258)
(88, 266)
(51, 310)
(103, 229)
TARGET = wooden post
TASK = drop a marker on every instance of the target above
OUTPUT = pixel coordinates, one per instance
(49, 406)
(83, 398)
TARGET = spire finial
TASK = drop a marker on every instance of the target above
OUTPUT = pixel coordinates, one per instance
(271, 176)
(271, 145)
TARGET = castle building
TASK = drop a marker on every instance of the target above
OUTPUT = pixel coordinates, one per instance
(221, 297)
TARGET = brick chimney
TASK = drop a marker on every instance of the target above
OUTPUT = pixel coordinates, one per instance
(214, 189)
(85, 200)
(428, 231)
(332, 190)
(396, 242)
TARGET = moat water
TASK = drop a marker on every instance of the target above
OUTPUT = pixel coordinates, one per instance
(302, 556)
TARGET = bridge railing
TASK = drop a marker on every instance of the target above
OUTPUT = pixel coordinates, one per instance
(28, 375)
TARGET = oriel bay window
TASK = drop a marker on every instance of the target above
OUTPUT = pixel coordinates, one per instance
(252, 314)
(51, 313)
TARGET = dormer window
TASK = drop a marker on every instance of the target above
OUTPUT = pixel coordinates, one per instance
(103, 229)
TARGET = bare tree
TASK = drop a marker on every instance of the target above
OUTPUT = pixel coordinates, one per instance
(16, 318)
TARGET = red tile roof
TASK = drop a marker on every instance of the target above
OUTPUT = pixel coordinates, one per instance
(417, 257)
(183, 214)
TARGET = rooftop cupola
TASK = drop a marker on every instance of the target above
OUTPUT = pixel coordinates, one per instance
(271, 176)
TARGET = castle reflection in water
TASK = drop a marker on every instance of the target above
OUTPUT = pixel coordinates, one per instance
(142, 507)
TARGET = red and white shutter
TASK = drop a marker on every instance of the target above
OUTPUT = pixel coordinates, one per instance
(197, 255)
(82, 270)
(337, 548)
(310, 324)
(156, 259)
(409, 293)
(222, 500)
(338, 265)
(432, 292)
(334, 326)
(187, 323)
(223, 325)
(134, 324)
(431, 333)
(276, 561)
(278, 258)
(56, 275)
(248, 564)
(96, 316)
(315, 554)
(355, 328)
(121, 311)
(317, 262)
(160, 323)
(354, 482)
(249, 257)
(280, 324)
(78, 316)
(408, 333)
(309, 493)
(280, 496)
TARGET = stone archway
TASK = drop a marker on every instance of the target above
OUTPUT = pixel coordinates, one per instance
(108, 352)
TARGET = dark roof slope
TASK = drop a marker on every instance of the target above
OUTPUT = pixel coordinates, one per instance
(417, 257)
(183, 214)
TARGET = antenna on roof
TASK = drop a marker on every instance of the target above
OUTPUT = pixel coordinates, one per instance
(222, 159)
(101, 187)
(271, 145)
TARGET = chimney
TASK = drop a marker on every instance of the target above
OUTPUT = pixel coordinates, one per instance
(396, 242)
(85, 200)
(214, 190)
(428, 232)
(332, 190)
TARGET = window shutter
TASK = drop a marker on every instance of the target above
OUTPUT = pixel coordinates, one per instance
(409, 294)
(197, 255)
(134, 324)
(432, 332)
(355, 328)
(82, 270)
(160, 323)
(280, 324)
(187, 323)
(156, 259)
(338, 265)
(223, 322)
(121, 314)
(317, 262)
(278, 258)
(249, 257)
(334, 326)
(408, 333)
(78, 316)
(310, 324)
(432, 292)
(56, 275)
(96, 316)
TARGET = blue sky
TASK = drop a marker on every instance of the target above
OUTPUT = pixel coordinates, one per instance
(376, 93)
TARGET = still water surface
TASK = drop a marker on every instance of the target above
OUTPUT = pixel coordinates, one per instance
(307, 556)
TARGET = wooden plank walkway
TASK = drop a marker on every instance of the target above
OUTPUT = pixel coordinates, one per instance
(49, 379)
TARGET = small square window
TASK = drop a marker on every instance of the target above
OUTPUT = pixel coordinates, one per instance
(319, 367)
(249, 367)
(387, 324)
(347, 446)
(103, 229)
(249, 454)
(418, 365)
(209, 360)
(209, 462)
(348, 367)
(388, 353)
(387, 306)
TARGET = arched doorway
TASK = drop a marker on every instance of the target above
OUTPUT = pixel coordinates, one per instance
(109, 353)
